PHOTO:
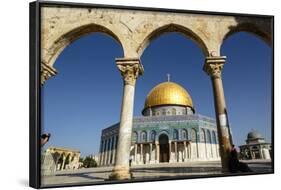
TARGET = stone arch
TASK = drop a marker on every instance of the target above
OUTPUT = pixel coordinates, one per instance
(214, 137)
(249, 27)
(184, 134)
(172, 28)
(143, 136)
(163, 132)
(209, 137)
(67, 38)
(176, 134)
(203, 140)
(202, 135)
(193, 135)
(152, 135)
(164, 147)
(163, 135)
(135, 136)
(209, 141)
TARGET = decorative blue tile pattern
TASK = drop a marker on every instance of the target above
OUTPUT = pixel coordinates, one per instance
(168, 124)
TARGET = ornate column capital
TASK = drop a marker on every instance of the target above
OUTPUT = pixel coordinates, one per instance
(213, 66)
(46, 72)
(130, 69)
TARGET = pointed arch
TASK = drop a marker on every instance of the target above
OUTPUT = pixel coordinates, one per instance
(67, 38)
(172, 28)
(252, 28)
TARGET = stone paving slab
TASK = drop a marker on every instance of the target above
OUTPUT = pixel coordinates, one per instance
(148, 172)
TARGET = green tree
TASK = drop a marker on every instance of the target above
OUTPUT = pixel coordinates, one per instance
(89, 162)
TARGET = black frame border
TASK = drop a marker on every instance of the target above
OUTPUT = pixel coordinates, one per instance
(35, 89)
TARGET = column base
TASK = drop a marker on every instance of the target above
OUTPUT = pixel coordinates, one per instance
(120, 173)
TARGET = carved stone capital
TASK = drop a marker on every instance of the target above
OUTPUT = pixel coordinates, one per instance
(130, 69)
(46, 72)
(213, 66)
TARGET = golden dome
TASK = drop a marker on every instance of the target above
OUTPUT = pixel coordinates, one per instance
(168, 93)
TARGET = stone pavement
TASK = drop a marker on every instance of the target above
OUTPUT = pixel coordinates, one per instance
(148, 172)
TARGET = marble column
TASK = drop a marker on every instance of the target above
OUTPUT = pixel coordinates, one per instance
(185, 151)
(114, 149)
(150, 153)
(170, 151)
(189, 150)
(130, 69)
(63, 162)
(260, 152)
(213, 67)
(176, 151)
(141, 153)
(109, 151)
(136, 153)
(157, 152)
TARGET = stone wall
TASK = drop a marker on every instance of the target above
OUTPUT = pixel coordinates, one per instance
(135, 29)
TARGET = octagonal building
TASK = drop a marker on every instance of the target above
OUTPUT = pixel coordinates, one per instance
(168, 131)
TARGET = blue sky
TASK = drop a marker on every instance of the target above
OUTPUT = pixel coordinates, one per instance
(85, 96)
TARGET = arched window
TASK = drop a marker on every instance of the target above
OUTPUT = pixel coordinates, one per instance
(174, 111)
(176, 134)
(152, 135)
(135, 137)
(209, 138)
(214, 137)
(143, 136)
(184, 135)
(193, 135)
(202, 135)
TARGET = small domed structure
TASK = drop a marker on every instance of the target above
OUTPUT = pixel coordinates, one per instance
(254, 135)
(255, 147)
